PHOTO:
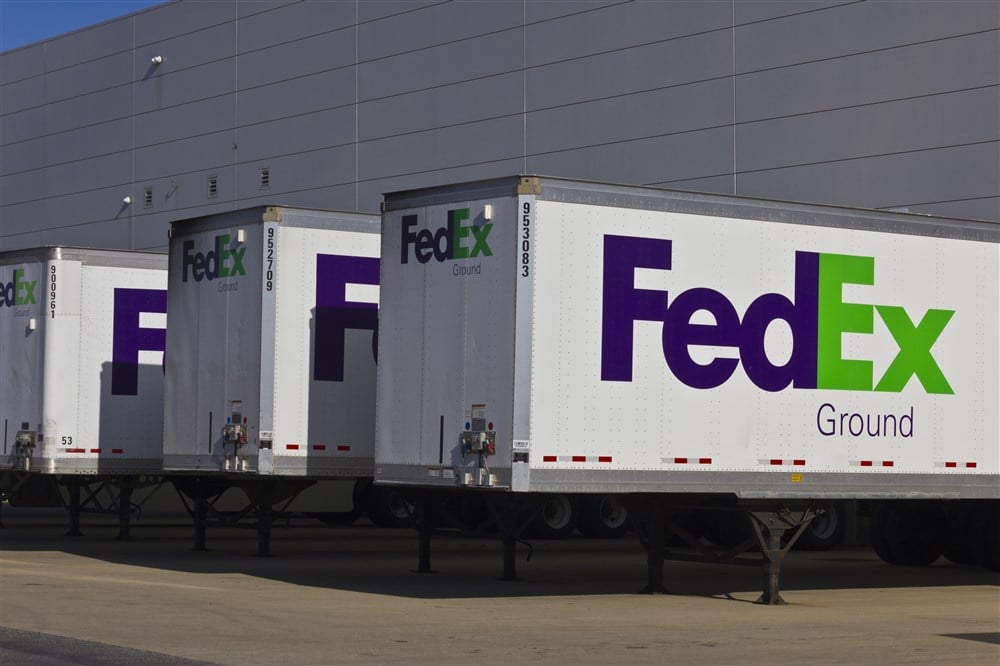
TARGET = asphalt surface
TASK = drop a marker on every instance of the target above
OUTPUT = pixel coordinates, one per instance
(347, 595)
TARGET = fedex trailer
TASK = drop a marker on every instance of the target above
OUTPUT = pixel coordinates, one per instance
(548, 336)
(270, 372)
(81, 347)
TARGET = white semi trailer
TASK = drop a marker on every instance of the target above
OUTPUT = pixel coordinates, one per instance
(544, 336)
(270, 371)
(81, 350)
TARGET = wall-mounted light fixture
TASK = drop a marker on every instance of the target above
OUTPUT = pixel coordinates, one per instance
(126, 200)
(156, 60)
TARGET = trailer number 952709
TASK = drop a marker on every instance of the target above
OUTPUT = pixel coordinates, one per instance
(525, 239)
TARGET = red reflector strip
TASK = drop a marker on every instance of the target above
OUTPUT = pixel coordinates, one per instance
(117, 450)
(343, 447)
(777, 461)
(579, 458)
(606, 459)
(319, 447)
(548, 458)
(95, 450)
(886, 463)
(76, 450)
(951, 464)
(292, 447)
(970, 465)
(799, 463)
(704, 461)
(866, 463)
(680, 461)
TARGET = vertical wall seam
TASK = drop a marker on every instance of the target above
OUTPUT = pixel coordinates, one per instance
(131, 218)
(524, 86)
(357, 127)
(735, 178)
(236, 107)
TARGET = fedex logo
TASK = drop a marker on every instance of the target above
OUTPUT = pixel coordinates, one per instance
(222, 261)
(816, 313)
(129, 338)
(18, 291)
(452, 241)
(335, 314)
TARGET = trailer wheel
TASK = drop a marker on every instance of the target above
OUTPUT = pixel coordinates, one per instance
(603, 517)
(386, 506)
(825, 531)
(984, 535)
(910, 535)
(556, 518)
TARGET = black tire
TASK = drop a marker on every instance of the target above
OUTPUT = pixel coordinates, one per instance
(387, 506)
(984, 535)
(909, 534)
(825, 531)
(603, 517)
(555, 519)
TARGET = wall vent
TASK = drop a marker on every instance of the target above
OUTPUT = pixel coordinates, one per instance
(147, 198)
(213, 186)
(265, 178)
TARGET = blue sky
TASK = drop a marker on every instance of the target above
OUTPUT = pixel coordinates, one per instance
(27, 21)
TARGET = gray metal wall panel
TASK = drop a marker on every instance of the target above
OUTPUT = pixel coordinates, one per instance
(374, 11)
(24, 94)
(183, 155)
(23, 156)
(681, 61)
(443, 65)
(334, 197)
(293, 22)
(438, 149)
(180, 18)
(870, 130)
(89, 174)
(439, 24)
(299, 172)
(22, 63)
(166, 89)
(950, 64)
(749, 11)
(309, 55)
(20, 220)
(303, 95)
(297, 134)
(855, 28)
(881, 182)
(656, 160)
(100, 139)
(108, 234)
(89, 44)
(22, 187)
(631, 117)
(612, 28)
(246, 10)
(88, 77)
(987, 208)
(546, 10)
(186, 51)
(179, 122)
(714, 185)
(438, 107)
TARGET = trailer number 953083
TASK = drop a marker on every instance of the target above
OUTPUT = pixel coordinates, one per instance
(525, 239)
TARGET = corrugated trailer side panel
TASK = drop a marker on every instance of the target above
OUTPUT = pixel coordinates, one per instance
(678, 342)
(767, 356)
(95, 361)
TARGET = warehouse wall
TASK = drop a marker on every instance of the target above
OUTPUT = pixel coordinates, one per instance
(872, 104)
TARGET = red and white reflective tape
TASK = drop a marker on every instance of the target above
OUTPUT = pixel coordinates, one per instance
(954, 464)
(686, 461)
(319, 447)
(292, 447)
(783, 462)
(343, 447)
(871, 463)
(98, 451)
(577, 459)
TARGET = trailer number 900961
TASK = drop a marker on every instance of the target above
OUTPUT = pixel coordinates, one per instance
(52, 291)
(269, 258)
(525, 239)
